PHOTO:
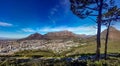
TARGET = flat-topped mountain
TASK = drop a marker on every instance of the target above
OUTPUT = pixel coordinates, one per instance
(114, 34)
(60, 35)
(54, 35)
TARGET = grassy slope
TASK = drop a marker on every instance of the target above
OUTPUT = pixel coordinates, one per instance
(29, 53)
(113, 47)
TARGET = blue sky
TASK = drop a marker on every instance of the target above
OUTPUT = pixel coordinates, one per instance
(19, 18)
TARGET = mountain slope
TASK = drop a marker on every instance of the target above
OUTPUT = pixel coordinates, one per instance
(35, 36)
(114, 34)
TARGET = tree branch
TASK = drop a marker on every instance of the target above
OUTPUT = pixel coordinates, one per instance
(92, 8)
(92, 19)
(97, 2)
(111, 19)
(93, 15)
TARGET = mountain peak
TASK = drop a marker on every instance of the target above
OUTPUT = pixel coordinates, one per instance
(113, 33)
(113, 28)
(34, 36)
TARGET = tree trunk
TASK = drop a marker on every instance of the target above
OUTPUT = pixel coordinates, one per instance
(106, 40)
(99, 30)
(98, 42)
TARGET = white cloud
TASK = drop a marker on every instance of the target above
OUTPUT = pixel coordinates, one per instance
(54, 10)
(66, 5)
(65, 2)
(66, 28)
(52, 20)
(117, 25)
(53, 13)
(28, 30)
(89, 30)
(4, 24)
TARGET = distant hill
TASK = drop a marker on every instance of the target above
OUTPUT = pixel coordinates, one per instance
(55, 35)
(83, 36)
(5, 38)
(35, 36)
(114, 34)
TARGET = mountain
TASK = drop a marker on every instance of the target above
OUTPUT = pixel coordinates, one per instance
(55, 35)
(35, 36)
(114, 34)
(60, 35)
(83, 36)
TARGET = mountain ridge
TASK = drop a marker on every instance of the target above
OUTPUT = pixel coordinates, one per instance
(55, 35)
(113, 34)
(65, 34)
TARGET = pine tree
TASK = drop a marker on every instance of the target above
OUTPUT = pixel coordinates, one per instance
(112, 15)
(96, 8)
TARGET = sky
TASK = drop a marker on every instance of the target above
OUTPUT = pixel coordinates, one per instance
(20, 18)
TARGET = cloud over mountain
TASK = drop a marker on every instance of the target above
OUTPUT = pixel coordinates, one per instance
(79, 30)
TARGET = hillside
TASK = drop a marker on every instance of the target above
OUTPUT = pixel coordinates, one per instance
(35, 36)
(114, 34)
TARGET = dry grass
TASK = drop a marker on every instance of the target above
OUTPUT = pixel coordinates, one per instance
(113, 47)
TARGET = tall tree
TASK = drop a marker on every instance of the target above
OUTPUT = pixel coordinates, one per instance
(85, 8)
(113, 15)
(106, 39)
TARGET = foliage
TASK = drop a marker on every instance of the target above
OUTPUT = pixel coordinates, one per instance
(104, 10)
(52, 62)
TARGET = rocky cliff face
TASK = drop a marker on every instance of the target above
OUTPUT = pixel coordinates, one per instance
(60, 35)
